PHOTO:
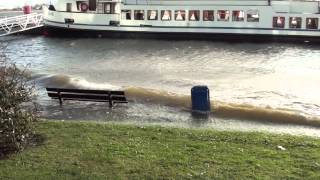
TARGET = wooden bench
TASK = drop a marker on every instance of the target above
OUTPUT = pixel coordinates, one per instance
(87, 95)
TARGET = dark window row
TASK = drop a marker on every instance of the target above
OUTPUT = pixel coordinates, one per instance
(295, 22)
(193, 15)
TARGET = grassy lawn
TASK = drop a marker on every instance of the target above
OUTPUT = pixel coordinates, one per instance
(74, 150)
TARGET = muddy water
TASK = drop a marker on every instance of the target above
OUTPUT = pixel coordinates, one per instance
(265, 86)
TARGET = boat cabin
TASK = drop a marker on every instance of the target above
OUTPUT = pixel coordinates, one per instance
(209, 16)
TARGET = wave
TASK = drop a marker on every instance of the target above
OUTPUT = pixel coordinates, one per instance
(218, 108)
(266, 114)
(64, 81)
(225, 109)
(158, 97)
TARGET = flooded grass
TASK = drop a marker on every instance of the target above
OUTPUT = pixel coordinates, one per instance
(83, 150)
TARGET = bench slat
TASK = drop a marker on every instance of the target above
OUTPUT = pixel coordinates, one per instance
(87, 96)
(87, 91)
(78, 96)
(89, 100)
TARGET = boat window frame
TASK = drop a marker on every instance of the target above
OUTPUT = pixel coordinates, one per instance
(68, 7)
(92, 5)
(112, 7)
(149, 14)
(250, 13)
(183, 15)
(170, 15)
(196, 13)
(316, 23)
(275, 22)
(298, 20)
(209, 18)
(130, 13)
(79, 4)
(135, 12)
(226, 15)
(237, 19)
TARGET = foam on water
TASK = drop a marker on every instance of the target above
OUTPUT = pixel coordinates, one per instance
(64, 81)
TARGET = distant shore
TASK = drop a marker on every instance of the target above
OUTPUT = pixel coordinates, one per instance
(7, 13)
(14, 11)
(9, 10)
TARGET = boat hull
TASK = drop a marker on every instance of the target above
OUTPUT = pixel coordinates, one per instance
(54, 31)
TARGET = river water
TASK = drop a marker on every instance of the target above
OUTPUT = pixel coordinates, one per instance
(253, 86)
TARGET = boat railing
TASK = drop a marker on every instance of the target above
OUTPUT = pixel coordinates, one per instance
(14, 24)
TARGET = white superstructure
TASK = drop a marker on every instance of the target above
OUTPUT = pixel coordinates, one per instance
(249, 17)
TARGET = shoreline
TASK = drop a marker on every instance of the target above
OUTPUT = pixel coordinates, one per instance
(202, 126)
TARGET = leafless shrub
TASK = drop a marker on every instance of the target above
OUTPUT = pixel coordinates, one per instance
(17, 112)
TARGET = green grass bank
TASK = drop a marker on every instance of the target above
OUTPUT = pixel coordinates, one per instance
(80, 150)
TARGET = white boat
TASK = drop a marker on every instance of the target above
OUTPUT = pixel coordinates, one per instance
(172, 18)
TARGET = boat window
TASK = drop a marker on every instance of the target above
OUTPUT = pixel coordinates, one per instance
(180, 15)
(312, 23)
(139, 14)
(278, 22)
(52, 8)
(194, 15)
(69, 7)
(109, 8)
(223, 15)
(152, 15)
(237, 15)
(92, 5)
(126, 14)
(79, 4)
(208, 15)
(253, 16)
(295, 22)
(165, 15)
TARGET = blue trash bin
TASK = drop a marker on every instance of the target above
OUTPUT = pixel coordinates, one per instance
(200, 99)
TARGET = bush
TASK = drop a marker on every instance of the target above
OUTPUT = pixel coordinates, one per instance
(17, 112)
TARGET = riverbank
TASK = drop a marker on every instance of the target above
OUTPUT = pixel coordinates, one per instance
(82, 150)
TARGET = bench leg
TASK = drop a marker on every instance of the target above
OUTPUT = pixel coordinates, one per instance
(60, 99)
(110, 100)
